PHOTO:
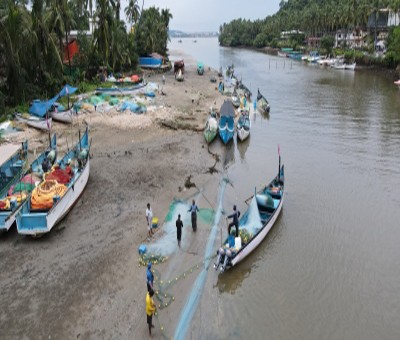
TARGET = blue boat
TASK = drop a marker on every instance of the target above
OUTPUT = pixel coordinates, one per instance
(150, 62)
(227, 121)
(255, 223)
(13, 159)
(51, 200)
(21, 187)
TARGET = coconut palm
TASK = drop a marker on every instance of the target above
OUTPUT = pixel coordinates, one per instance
(132, 12)
(15, 34)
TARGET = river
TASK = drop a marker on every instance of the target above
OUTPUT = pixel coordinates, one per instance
(329, 267)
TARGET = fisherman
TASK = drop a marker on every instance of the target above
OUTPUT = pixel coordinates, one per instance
(179, 226)
(68, 168)
(45, 165)
(235, 221)
(149, 277)
(194, 209)
(150, 309)
(149, 218)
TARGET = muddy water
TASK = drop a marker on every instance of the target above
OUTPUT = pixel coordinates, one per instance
(329, 267)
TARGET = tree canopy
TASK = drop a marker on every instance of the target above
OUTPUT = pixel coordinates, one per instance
(32, 41)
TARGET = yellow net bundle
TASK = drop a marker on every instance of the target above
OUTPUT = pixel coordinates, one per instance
(43, 195)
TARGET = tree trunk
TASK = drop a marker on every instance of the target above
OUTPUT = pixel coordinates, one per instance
(69, 58)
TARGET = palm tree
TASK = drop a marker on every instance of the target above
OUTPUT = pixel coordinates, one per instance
(132, 12)
(15, 33)
(102, 32)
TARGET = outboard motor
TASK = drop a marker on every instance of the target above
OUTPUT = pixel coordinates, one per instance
(220, 258)
(227, 258)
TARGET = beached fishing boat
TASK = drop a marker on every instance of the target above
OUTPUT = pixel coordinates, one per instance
(235, 99)
(179, 65)
(13, 159)
(262, 103)
(21, 187)
(55, 196)
(211, 127)
(243, 125)
(41, 123)
(200, 68)
(179, 75)
(226, 121)
(150, 62)
(122, 91)
(60, 113)
(255, 223)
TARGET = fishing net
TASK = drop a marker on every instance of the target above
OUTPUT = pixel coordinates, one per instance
(60, 175)
(21, 186)
(43, 195)
(251, 222)
(4, 204)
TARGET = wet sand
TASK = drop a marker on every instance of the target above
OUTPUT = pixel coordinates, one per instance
(83, 279)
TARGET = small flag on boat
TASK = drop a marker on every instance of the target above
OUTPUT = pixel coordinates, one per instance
(279, 150)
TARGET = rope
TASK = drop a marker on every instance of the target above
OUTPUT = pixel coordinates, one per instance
(42, 195)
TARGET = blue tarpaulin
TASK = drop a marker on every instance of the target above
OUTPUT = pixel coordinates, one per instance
(40, 107)
(67, 90)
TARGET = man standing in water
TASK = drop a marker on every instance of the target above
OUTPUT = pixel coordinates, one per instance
(235, 221)
(179, 226)
(149, 219)
(194, 209)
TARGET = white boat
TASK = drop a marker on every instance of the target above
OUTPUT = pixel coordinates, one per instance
(339, 65)
(326, 61)
(39, 218)
(63, 116)
(243, 125)
(255, 223)
(34, 121)
(350, 66)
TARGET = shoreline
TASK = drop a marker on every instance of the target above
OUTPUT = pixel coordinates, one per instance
(83, 279)
(386, 72)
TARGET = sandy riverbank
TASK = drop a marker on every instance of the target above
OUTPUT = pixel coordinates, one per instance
(82, 280)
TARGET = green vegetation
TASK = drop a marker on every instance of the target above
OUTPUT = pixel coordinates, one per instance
(316, 18)
(32, 43)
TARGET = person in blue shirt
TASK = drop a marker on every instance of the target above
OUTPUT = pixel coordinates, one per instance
(150, 278)
(194, 209)
(235, 221)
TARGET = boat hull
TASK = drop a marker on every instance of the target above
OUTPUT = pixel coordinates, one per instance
(38, 222)
(36, 122)
(242, 134)
(253, 244)
(209, 135)
(62, 116)
(7, 217)
(226, 134)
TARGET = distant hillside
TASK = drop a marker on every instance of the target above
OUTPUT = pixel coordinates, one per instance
(180, 34)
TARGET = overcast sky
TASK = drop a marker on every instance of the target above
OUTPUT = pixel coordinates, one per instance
(208, 15)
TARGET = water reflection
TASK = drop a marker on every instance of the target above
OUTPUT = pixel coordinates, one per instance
(229, 154)
(243, 146)
(232, 279)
